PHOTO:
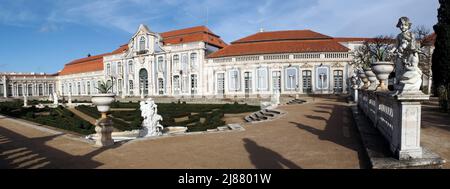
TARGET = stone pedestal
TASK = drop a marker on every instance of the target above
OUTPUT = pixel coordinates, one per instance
(406, 137)
(355, 95)
(104, 130)
(69, 101)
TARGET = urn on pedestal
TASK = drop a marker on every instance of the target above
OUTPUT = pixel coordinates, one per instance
(382, 71)
(103, 127)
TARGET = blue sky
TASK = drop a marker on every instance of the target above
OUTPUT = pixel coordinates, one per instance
(43, 35)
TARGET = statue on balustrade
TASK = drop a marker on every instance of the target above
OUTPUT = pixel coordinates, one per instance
(408, 74)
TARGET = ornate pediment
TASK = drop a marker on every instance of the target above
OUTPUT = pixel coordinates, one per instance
(306, 65)
(144, 41)
(337, 65)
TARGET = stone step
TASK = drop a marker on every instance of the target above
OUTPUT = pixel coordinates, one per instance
(259, 114)
(273, 111)
(267, 114)
(254, 117)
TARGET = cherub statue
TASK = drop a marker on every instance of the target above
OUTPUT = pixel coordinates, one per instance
(407, 71)
(150, 124)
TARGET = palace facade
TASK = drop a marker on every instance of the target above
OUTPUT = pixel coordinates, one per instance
(195, 62)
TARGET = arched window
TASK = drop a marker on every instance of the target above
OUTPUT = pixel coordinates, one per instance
(184, 63)
(176, 62)
(193, 60)
(130, 67)
(119, 67)
(142, 44)
(108, 69)
(50, 89)
(20, 90)
(88, 87)
(41, 91)
(78, 88)
(30, 90)
(160, 64)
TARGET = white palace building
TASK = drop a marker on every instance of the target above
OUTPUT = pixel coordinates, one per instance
(195, 62)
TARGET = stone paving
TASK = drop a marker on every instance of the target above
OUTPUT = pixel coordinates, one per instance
(436, 130)
(319, 134)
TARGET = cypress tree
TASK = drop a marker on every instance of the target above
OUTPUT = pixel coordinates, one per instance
(441, 55)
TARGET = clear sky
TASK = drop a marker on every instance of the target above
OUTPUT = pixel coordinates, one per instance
(43, 35)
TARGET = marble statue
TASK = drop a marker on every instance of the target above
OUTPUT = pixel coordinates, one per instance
(69, 102)
(25, 101)
(274, 101)
(408, 74)
(354, 80)
(275, 98)
(151, 125)
(55, 99)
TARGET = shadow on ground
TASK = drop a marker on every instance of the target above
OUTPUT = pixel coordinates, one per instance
(33, 153)
(265, 158)
(334, 130)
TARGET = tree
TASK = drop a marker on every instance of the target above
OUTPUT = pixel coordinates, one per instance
(441, 55)
(422, 34)
(375, 49)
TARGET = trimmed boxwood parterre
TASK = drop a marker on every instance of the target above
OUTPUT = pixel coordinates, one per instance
(54, 117)
(60, 117)
(211, 113)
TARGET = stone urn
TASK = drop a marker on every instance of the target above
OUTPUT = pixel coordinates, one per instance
(103, 102)
(103, 127)
(372, 78)
(364, 79)
(382, 71)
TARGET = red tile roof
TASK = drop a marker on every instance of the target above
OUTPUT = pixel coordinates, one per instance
(282, 35)
(199, 33)
(351, 39)
(88, 64)
(300, 41)
(95, 63)
(29, 75)
(274, 47)
(429, 40)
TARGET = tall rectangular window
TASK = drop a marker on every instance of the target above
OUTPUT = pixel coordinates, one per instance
(307, 80)
(120, 68)
(108, 69)
(234, 80)
(184, 63)
(176, 62)
(276, 81)
(291, 78)
(262, 79)
(160, 63)
(131, 86)
(338, 76)
(176, 84)
(193, 84)
(2, 90)
(220, 83)
(130, 67)
(194, 60)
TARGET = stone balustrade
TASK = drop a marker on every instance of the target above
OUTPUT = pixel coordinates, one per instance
(397, 117)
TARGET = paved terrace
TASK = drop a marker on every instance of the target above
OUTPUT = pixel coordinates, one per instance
(319, 134)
